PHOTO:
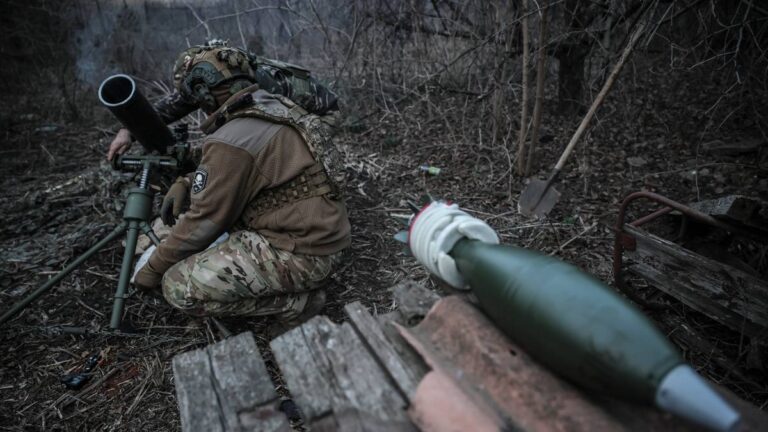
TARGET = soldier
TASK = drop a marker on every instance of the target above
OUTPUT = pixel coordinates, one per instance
(266, 178)
(291, 81)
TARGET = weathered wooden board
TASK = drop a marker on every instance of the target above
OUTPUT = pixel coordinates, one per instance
(328, 368)
(733, 147)
(495, 377)
(488, 378)
(727, 295)
(405, 377)
(413, 301)
(735, 208)
(226, 387)
(352, 420)
(404, 350)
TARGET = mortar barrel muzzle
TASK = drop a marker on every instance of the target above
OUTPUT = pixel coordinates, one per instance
(122, 97)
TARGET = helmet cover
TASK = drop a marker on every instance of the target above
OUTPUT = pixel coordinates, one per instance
(201, 68)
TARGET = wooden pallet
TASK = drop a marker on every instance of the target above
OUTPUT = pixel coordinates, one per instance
(363, 375)
(226, 387)
(725, 293)
(343, 377)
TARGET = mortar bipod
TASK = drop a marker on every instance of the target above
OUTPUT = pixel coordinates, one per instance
(136, 217)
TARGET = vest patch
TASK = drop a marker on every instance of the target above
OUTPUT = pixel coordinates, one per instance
(199, 180)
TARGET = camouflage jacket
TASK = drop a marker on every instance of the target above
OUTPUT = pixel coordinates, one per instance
(291, 81)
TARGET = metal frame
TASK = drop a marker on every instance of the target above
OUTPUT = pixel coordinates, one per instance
(624, 240)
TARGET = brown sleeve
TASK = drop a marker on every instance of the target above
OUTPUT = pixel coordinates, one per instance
(221, 188)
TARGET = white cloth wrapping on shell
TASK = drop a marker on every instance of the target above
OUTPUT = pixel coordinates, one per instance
(436, 230)
(148, 253)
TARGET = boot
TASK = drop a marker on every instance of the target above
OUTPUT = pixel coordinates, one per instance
(314, 305)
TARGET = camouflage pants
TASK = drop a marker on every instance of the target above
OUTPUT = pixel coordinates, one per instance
(246, 276)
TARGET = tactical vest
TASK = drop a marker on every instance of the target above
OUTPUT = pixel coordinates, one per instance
(325, 177)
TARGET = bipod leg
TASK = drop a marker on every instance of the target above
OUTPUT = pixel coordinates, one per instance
(18, 307)
(146, 229)
(131, 237)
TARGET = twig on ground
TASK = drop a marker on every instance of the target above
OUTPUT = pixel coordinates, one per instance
(574, 238)
(83, 304)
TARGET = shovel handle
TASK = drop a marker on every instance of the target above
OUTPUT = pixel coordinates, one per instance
(601, 96)
(552, 177)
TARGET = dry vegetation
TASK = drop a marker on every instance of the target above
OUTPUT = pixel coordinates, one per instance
(432, 82)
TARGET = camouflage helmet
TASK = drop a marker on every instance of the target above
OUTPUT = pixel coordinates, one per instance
(201, 68)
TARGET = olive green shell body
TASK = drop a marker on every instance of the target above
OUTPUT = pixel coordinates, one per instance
(568, 320)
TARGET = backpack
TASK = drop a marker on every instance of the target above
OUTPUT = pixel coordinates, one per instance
(295, 83)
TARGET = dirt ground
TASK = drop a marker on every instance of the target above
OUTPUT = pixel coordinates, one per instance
(60, 196)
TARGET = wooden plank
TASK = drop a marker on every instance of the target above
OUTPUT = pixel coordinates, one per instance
(352, 420)
(735, 208)
(226, 387)
(195, 394)
(726, 294)
(327, 368)
(409, 356)
(503, 385)
(413, 301)
(732, 147)
(491, 377)
(404, 377)
(441, 403)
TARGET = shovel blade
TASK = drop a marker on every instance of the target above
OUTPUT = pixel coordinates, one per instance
(537, 199)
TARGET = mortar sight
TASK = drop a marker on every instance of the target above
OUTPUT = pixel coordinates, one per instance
(122, 97)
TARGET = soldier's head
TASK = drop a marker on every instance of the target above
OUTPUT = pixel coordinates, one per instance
(209, 74)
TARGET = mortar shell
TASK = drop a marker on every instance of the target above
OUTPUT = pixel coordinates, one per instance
(582, 330)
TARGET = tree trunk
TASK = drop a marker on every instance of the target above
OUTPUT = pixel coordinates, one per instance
(572, 57)
(504, 17)
(541, 61)
(524, 106)
(570, 79)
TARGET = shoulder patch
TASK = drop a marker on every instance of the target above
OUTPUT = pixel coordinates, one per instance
(199, 180)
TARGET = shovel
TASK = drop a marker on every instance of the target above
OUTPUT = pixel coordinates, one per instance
(539, 197)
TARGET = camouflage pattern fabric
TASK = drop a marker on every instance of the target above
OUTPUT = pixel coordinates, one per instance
(306, 91)
(245, 276)
(199, 70)
(173, 106)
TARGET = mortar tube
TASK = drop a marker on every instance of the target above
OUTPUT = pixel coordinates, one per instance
(120, 94)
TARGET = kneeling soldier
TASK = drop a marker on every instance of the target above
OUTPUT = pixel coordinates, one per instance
(267, 178)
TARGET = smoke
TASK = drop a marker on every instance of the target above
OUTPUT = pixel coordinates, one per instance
(143, 37)
(91, 42)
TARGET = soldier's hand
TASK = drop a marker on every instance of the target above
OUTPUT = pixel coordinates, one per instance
(147, 280)
(120, 144)
(175, 202)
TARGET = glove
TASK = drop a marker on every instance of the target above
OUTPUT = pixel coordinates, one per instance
(147, 279)
(175, 202)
